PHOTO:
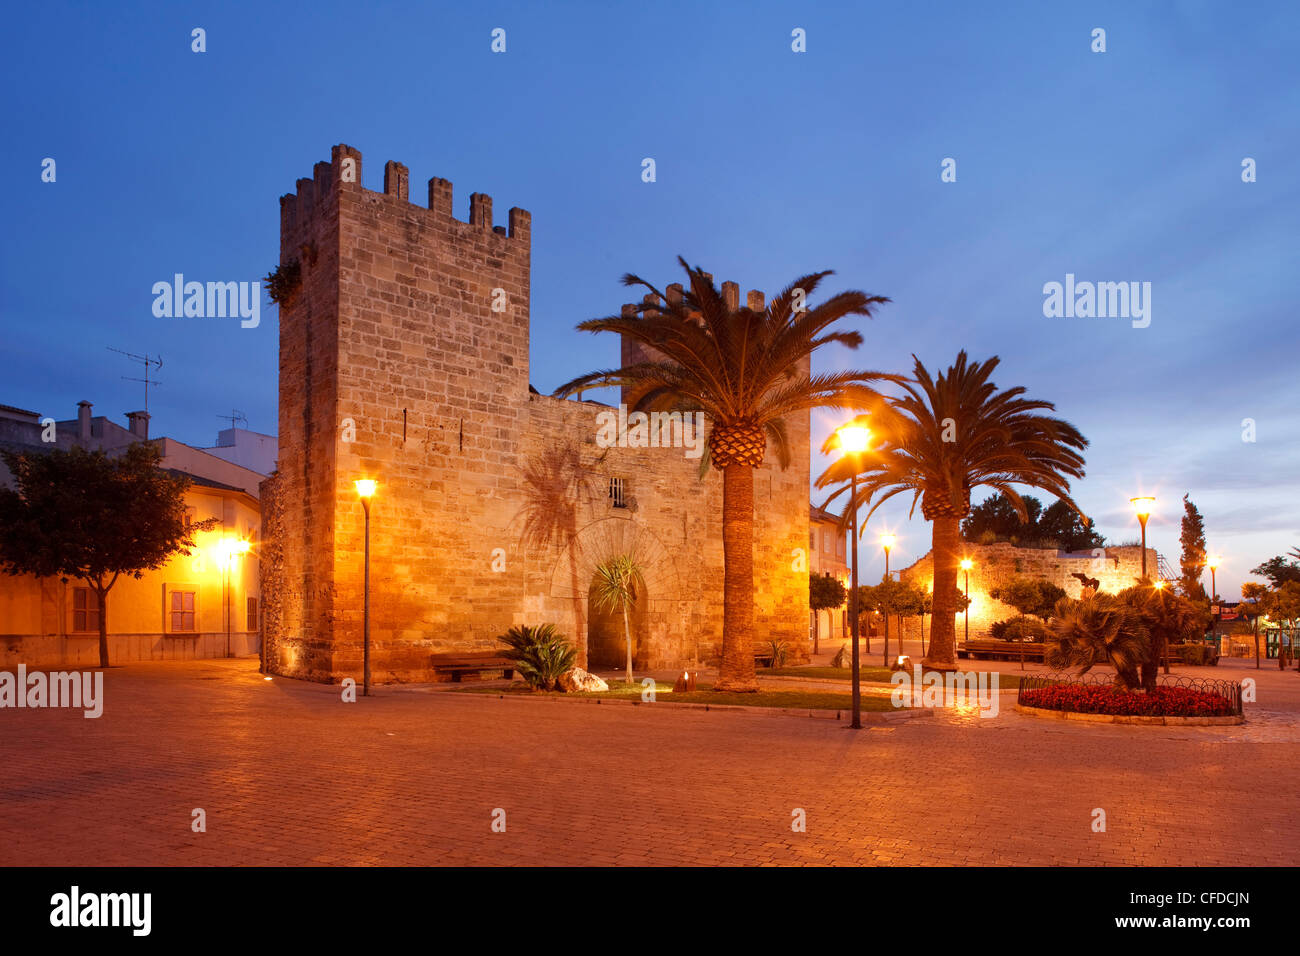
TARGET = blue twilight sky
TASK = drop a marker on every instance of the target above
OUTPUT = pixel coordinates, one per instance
(1115, 166)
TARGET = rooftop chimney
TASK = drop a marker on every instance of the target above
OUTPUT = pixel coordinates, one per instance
(138, 423)
(83, 420)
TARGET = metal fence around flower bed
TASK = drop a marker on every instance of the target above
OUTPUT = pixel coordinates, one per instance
(1228, 690)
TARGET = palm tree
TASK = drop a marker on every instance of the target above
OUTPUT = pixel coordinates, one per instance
(1102, 629)
(941, 439)
(617, 579)
(744, 368)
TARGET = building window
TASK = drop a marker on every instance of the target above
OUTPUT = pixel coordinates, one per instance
(85, 610)
(251, 616)
(618, 492)
(182, 610)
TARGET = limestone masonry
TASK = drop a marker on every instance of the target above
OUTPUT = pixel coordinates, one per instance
(404, 358)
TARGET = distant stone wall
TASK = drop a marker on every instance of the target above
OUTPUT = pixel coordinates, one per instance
(997, 564)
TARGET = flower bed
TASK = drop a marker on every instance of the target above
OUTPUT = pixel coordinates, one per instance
(1107, 699)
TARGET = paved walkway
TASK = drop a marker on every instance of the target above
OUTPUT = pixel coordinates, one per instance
(288, 774)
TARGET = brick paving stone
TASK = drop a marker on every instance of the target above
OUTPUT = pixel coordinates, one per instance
(290, 775)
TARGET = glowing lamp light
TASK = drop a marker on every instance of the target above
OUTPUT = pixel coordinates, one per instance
(1142, 505)
(1159, 585)
(1214, 562)
(888, 540)
(365, 487)
(854, 438)
(967, 564)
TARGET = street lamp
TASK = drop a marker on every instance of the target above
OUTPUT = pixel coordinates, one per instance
(365, 489)
(228, 551)
(966, 565)
(1142, 508)
(1214, 563)
(854, 440)
(887, 541)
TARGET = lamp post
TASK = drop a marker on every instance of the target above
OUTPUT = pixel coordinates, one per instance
(887, 541)
(365, 489)
(1214, 563)
(853, 441)
(231, 549)
(1142, 508)
(966, 564)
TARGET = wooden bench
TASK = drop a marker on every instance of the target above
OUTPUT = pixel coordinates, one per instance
(1002, 650)
(459, 664)
(763, 656)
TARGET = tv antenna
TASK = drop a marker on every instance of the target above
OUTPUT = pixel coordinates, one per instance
(235, 416)
(148, 361)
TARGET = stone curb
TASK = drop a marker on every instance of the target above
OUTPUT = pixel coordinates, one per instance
(1141, 719)
(867, 717)
(866, 685)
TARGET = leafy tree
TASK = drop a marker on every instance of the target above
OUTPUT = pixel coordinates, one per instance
(1102, 629)
(1071, 532)
(739, 366)
(1029, 596)
(615, 588)
(1254, 605)
(1192, 560)
(824, 593)
(540, 654)
(945, 437)
(81, 514)
(1278, 571)
(996, 519)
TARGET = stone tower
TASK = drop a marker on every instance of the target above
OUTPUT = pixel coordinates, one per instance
(404, 359)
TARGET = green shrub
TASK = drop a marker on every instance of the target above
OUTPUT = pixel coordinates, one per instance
(1020, 628)
(1199, 654)
(540, 654)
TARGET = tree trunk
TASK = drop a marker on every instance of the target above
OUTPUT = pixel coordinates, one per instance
(943, 619)
(886, 657)
(737, 670)
(101, 598)
(1256, 630)
(627, 633)
(817, 630)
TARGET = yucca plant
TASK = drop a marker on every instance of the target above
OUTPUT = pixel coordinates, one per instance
(540, 653)
(944, 437)
(744, 368)
(1102, 629)
(615, 589)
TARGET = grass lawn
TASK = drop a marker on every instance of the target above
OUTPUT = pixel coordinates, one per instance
(874, 675)
(794, 699)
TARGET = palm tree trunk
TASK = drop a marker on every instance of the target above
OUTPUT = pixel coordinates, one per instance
(943, 620)
(737, 669)
(627, 633)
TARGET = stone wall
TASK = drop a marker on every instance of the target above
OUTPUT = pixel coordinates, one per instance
(996, 564)
(404, 358)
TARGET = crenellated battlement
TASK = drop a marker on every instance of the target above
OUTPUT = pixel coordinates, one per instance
(754, 299)
(343, 171)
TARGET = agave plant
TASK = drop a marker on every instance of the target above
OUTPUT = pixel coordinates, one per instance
(744, 367)
(944, 437)
(1102, 629)
(540, 653)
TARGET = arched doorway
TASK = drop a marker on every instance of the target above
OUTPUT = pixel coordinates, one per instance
(574, 573)
(606, 636)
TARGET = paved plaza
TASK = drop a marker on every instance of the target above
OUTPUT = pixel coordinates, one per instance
(288, 774)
